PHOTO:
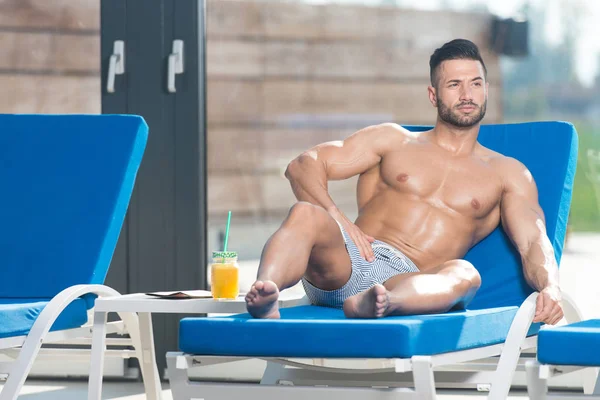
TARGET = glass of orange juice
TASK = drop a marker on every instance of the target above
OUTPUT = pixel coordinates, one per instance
(224, 275)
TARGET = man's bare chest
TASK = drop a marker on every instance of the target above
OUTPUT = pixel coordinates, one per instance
(468, 186)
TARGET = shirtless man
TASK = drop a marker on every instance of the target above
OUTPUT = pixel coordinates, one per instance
(424, 200)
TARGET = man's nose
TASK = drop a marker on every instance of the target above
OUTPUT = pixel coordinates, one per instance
(466, 93)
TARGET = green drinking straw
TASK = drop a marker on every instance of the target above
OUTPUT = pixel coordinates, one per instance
(227, 233)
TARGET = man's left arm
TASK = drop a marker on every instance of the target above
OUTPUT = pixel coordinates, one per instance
(524, 222)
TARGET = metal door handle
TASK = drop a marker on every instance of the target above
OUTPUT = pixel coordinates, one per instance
(116, 64)
(175, 64)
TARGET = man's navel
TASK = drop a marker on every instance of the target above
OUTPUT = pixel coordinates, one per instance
(402, 178)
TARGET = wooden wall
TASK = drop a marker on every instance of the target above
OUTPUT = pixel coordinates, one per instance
(283, 77)
(50, 59)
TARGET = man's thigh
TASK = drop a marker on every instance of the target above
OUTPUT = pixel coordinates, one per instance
(456, 278)
(329, 265)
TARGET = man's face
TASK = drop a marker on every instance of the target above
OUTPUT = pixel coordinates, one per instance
(461, 92)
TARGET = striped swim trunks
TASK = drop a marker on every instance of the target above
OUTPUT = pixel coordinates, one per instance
(389, 262)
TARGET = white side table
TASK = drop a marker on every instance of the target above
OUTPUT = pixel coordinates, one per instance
(136, 311)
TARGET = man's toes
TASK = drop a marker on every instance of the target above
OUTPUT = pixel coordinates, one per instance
(268, 288)
(258, 286)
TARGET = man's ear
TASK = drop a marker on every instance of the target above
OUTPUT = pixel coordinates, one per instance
(432, 95)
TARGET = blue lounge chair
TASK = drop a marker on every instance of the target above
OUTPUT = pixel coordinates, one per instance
(328, 349)
(563, 350)
(67, 181)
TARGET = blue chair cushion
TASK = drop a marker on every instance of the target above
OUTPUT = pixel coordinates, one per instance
(313, 331)
(573, 344)
(533, 144)
(67, 181)
(17, 316)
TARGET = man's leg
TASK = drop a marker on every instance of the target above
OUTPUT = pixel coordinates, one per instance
(451, 285)
(308, 243)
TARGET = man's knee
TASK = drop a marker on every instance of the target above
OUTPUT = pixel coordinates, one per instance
(466, 272)
(305, 212)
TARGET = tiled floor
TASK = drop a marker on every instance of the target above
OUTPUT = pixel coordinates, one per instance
(68, 390)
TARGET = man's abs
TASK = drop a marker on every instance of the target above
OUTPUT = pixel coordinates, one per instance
(428, 233)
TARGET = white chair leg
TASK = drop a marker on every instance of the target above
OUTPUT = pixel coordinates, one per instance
(148, 358)
(537, 388)
(97, 356)
(423, 377)
(178, 377)
(511, 352)
(22, 365)
(20, 369)
(591, 381)
(272, 373)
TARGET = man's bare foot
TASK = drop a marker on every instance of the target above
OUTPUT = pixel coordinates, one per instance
(372, 303)
(261, 300)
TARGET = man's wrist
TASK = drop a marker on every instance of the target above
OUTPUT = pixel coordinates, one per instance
(333, 211)
(553, 289)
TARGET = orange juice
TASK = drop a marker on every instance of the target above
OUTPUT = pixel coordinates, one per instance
(224, 275)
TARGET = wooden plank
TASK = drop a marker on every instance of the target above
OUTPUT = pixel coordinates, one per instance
(289, 59)
(404, 25)
(292, 20)
(256, 194)
(355, 22)
(379, 60)
(287, 20)
(234, 102)
(45, 51)
(235, 150)
(237, 58)
(50, 94)
(56, 14)
(234, 18)
(318, 104)
(236, 193)
(304, 59)
(241, 149)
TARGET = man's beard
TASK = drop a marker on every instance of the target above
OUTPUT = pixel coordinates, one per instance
(461, 121)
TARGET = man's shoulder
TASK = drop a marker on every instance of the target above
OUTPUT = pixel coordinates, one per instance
(513, 173)
(509, 166)
(396, 132)
(501, 162)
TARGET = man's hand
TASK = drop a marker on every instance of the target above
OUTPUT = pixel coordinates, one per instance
(548, 309)
(362, 240)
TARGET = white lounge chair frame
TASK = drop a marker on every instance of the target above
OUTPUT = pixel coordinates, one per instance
(24, 349)
(539, 374)
(379, 379)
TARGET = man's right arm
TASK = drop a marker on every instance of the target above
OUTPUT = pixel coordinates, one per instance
(310, 172)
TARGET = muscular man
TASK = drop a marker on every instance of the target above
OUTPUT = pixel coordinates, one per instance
(424, 200)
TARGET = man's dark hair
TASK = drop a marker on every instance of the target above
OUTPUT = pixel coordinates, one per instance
(457, 49)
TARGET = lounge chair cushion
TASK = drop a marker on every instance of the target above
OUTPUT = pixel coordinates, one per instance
(66, 184)
(533, 144)
(17, 316)
(312, 331)
(573, 344)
